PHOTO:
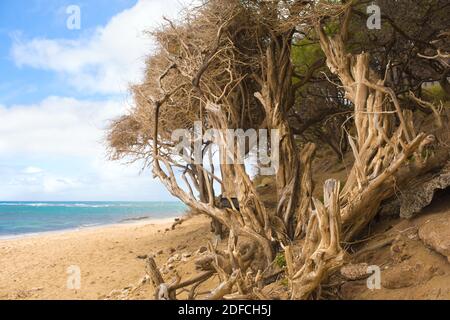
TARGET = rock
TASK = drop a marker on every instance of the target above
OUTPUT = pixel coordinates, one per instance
(163, 270)
(435, 234)
(142, 256)
(185, 256)
(181, 247)
(418, 197)
(170, 266)
(144, 280)
(171, 250)
(160, 252)
(202, 249)
(175, 258)
(355, 271)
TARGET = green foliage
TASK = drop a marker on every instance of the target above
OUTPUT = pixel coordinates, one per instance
(435, 93)
(280, 260)
(304, 53)
(331, 28)
(284, 282)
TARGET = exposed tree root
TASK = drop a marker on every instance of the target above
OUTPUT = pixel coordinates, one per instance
(241, 63)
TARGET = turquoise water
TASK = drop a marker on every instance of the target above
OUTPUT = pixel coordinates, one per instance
(20, 218)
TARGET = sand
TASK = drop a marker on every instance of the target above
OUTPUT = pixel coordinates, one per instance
(109, 258)
(112, 260)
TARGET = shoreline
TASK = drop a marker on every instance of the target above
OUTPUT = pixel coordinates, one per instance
(109, 257)
(137, 222)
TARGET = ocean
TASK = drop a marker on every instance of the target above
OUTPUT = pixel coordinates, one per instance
(22, 218)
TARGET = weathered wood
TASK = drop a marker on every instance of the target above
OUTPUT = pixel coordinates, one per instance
(199, 278)
(380, 148)
(153, 272)
(224, 288)
(223, 85)
(161, 289)
(321, 253)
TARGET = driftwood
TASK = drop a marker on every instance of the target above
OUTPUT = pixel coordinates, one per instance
(164, 291)
(224, 288)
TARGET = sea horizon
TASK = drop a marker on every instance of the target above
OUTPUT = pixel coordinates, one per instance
(20, 218)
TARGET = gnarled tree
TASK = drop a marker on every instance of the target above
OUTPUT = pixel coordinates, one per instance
(228, 65)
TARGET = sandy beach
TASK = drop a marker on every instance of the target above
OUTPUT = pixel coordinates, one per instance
(110, 258)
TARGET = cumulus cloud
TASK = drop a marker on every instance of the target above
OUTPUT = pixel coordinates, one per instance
(57, 126)
(56, 150)
(105, 60)
(43, 183)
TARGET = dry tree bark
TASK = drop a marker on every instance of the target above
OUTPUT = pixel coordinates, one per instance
(321, 252)
(224, 80)
(380, 148)
(164, 291)
(293, 177)
(294, 182)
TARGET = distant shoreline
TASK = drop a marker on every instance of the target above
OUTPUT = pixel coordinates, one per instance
(127, 222)
(18, 219)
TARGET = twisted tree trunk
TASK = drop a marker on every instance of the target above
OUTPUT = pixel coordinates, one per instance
(380, 148)
(293, 178)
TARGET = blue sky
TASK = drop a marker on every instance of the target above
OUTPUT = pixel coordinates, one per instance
(58, 90)
(25, 19)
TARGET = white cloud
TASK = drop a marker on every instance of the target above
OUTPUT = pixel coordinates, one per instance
(54, 184)
(106, 60)
(55, 149)
(57, 125)
(32, 170)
